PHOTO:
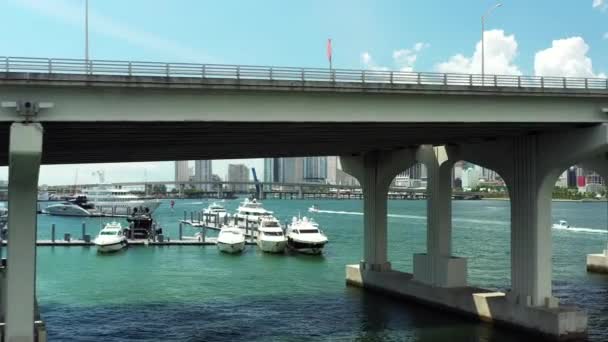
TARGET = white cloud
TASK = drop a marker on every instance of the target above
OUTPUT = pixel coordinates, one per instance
(500, 54)
(368, 62)
(567, 58)
(71, 13)
(403, 59)
(599, 4)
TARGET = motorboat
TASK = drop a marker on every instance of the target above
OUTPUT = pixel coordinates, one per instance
(215, 210)
(563, 224)
(304, 236)
(249, 213)
(110, 238)
(231, 240)
(77, 205)
(142, 226)
(313, 209)
(270, 237)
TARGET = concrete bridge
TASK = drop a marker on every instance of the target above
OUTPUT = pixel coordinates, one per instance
(528, 129)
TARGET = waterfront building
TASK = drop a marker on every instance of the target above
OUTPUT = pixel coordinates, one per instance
(182, 172)
(238, 173)
(470, 178)
(315, 169)
(202, 173)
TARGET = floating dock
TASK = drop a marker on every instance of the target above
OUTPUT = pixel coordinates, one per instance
(188, 241)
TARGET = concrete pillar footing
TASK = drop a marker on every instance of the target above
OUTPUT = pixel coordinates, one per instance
(563, 322)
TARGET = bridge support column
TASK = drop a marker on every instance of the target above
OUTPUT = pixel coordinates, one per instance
(25, 151)
(375, 171)
(437, 266)
(530, 186)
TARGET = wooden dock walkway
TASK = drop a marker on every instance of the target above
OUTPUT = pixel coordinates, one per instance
(187, 241)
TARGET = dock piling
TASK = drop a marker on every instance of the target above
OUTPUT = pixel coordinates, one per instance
(84, 230)
(53, 232)
(204, 233)
(192, 217)
(185, 215)
(180, 231)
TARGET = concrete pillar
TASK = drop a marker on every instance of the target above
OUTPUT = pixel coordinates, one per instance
(375, 170)
(437, 266)
(25, 151)
(530, 189)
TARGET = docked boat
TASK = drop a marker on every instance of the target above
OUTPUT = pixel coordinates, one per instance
(270, 237)
(249, 213)
(110, 238)
(215, 210)
(231, 240)
(304, 236)
(142, 227)
(77, 205)
(110, 200)
(563, 224)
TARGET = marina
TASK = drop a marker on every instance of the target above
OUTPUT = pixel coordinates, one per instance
(300, 280)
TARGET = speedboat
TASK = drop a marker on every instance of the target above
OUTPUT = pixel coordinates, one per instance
(270, 237)
(313, 209)
(304, 236)
(563, 224)
(249, 213)
(110, 238)
(215, 210)
(77, 205)
(231, 240)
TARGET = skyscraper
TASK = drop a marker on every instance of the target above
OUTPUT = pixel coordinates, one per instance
(284, 170)
(182, 173)
(238, 173)
(202, 173)
(315, 169)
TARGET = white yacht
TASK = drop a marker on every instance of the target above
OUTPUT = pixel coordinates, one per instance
(110, 238)
(563, 224)
(108, 199)
(214, 210)
(270, 236)
(231, 240)
(304, 236)
(76, 205)
(249, 213)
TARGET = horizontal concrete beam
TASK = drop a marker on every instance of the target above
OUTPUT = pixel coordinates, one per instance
(215, 83)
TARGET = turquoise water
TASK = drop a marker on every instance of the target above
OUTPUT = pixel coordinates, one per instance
(189, 293)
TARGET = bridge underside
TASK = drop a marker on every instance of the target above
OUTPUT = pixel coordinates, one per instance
(104, 142)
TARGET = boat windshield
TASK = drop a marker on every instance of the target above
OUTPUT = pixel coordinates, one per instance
(273, 233)
(271, 224)
(309, 231)
(109, 233)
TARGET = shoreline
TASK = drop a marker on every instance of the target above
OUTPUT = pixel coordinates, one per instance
(553, 200)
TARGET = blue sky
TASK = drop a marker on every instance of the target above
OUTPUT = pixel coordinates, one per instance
(567, 37)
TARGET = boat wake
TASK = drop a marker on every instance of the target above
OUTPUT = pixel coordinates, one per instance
(465, 220)
(414, 217)
(581, 230)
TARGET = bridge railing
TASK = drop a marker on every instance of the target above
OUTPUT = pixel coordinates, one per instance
(270, 73)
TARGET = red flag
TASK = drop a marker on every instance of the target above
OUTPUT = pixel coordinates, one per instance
(329, 50)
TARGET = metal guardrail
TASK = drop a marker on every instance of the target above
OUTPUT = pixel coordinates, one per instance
(269, 73)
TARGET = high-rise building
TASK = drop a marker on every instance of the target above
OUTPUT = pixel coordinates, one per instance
(182, 172)
(203, 173)
(284, 170)
(315, 169)
(572, 177)
(238, 173)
